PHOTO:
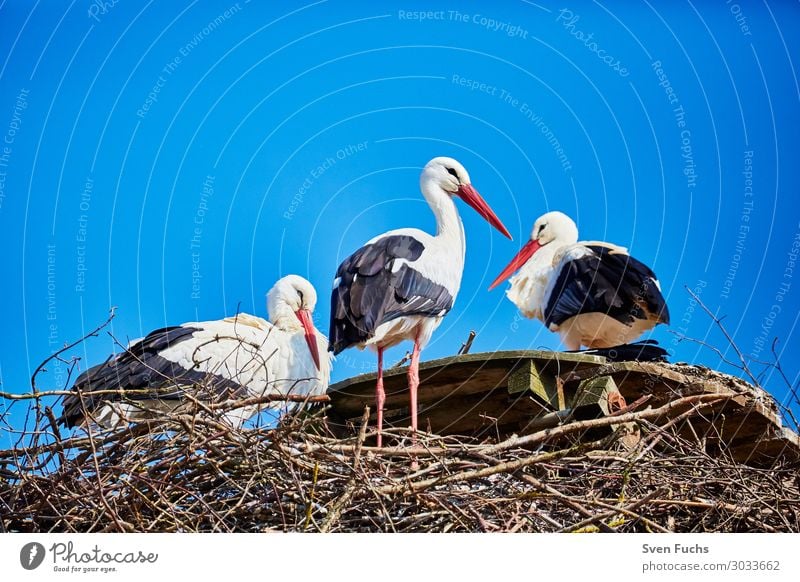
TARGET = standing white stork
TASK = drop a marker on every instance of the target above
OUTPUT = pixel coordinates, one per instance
(236, 357)
(402, 283)
(592, 294)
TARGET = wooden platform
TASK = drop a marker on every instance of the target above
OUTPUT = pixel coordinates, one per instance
(515, 392)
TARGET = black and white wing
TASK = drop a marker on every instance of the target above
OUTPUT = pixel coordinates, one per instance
(378, 283)
(213, 360)
(602, 278)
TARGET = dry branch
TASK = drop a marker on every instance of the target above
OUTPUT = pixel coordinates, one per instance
(192, 473)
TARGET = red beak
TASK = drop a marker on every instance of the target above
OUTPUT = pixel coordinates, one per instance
(304, 315)
(470, 196)
(525, 253)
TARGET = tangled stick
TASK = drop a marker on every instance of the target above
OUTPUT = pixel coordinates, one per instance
(191, 473)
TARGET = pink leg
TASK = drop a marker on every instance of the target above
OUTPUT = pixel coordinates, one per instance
(413, 384)
(380, 396)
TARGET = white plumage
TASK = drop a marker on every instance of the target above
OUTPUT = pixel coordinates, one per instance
(592, 294)
(400, 285)
(233, 358)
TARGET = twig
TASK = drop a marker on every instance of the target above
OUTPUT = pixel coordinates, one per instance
(350, 488)
(68, 347)
(718, 322)
(467, 345)
(403, 360)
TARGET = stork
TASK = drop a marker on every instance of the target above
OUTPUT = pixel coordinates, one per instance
(236, 357)
(592, 294)
(402, 283)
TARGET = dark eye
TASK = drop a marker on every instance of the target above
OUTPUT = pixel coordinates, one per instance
(541, 228)
(453, 173)
(300, 293)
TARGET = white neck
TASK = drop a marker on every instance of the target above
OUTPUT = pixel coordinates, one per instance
(543, 258)
(529, 285)
(282, 316)
(448, 223)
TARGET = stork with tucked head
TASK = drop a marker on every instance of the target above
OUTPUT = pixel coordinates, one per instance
(402, 283)
(232, 358)
(592, 294)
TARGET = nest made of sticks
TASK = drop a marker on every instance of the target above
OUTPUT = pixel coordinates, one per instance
(192, 473)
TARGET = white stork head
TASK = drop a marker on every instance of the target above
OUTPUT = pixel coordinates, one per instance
(447, 173)
(554, 226)
(449, 176)
(290, 303)
(551, 228)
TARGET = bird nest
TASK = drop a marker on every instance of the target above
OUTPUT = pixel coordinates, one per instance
(188, 473)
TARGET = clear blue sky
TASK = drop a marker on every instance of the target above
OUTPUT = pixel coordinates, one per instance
(175, 159)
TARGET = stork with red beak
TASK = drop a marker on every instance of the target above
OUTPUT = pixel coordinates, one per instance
(402, 283)
(592, 294)
(233, 358)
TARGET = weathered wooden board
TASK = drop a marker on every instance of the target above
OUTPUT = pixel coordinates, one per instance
(460, 394)
(747, 426)
(500, 393)
(469, 373)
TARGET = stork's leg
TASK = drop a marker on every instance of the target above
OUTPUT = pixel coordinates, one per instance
(413, 384)
(380, 396)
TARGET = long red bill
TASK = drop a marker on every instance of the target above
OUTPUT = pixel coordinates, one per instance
(470, 196)
(304, 315)
(525, 253)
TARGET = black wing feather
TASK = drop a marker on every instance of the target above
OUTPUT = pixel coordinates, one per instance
(371, 291)
(607, 282)
(143, 372)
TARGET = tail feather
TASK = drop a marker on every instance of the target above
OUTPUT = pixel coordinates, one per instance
(643, 351)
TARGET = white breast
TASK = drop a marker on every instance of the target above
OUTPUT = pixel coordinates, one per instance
(257, 355)
(529, 287)
(440, 262)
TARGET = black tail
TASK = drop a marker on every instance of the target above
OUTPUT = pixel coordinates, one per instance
(643, 351)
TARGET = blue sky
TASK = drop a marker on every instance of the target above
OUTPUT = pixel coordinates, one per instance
(175, 159)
